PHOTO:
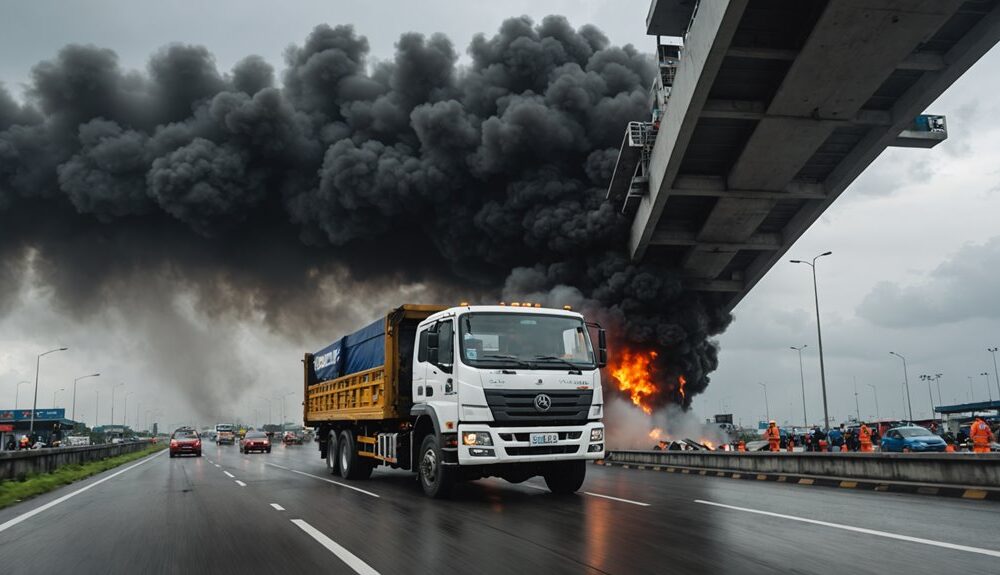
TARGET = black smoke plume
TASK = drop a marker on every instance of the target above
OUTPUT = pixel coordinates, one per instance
(468, 175)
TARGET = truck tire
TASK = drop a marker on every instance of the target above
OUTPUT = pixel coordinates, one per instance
(566, 477)
(332, 454)
(437, 480)
(352, 466)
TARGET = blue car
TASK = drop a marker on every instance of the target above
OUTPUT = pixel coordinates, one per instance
(912, 438)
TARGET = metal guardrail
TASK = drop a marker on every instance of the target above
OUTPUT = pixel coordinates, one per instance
(944, 469)
(18, 464)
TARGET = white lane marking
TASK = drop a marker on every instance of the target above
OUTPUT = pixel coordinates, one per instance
(240, 483)
(217, 465)
(12, 522)
(344, 555)
(639, 503)
(229, 475)
(885, 534)
(323, 479)
(278, 507)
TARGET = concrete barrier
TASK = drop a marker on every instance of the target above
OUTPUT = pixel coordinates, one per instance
(18, 464)
(944, 469)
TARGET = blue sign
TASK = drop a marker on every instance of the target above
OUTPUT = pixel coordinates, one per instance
(25, 414)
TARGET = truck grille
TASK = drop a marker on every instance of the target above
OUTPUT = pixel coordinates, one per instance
(542, 450)
(518, 406)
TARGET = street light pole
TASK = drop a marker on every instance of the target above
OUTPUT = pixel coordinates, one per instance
(929, 379)
(54, 393)
(989, 391)
(97, 408)
(996, 376)
(113, 402)
(17, 393)
(125, 411)
(802, 379)
(875, 394)
(767, 408)
(73, 417)
(906, 383)
(34, 404)
(819, 336)
(857, 405)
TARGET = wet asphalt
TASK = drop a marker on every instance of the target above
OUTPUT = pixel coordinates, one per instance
(187, 515)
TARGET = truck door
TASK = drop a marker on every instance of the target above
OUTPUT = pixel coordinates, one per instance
(438, 380)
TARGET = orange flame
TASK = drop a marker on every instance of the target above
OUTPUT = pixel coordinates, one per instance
(656, 433)
(635, 377)
(681, 382)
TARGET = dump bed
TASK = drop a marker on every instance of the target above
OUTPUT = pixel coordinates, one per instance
(366, 375)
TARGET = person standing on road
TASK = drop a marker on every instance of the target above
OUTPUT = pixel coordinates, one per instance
(865, 437)
(981, 436)
(773, 435)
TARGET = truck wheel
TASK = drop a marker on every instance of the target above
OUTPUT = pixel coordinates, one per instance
(332, 454)
(436, 479)
(352, 466)
(567, 477)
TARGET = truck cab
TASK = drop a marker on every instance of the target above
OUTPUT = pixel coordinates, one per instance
(518, 387)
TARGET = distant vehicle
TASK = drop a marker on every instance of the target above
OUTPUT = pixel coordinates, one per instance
(185, 441)
(291, 438)
(225, 434)
(912, 438)
(77, 440)
(255, 441)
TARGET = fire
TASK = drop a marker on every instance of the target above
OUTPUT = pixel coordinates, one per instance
(656, 433)
(635, 377)
(681, 382)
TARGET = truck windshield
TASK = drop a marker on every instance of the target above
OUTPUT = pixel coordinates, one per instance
(520, 340)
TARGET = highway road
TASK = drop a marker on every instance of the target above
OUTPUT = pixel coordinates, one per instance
(282, 513)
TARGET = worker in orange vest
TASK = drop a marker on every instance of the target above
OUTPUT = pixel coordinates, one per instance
(981, 436)
(773, 435)
(741, 446)
(865, 438)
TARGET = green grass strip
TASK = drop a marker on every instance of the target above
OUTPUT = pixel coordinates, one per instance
(12, 491)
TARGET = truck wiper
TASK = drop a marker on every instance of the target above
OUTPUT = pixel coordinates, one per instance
(573, 369)
(513, 358)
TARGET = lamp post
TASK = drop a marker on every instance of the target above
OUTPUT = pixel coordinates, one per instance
(819, 336)
(802, 379)
(54, 394)
(34, 404)
(268, 403)
(125, 411)
(73, 417)
(989, 391)
(283, 419)
(857, 405)
(996, 376)
(113, 402)
(972, 392)
(17, 392)
(906, 383)
(929, 379)
(97, 407)
(875, 395)
(767, 408)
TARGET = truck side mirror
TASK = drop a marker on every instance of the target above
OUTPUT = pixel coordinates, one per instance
(602, 348)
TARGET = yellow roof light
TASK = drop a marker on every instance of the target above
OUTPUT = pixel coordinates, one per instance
(514, 304)
(568, 307)
(538, 305)
(464, 303)
(502, 303)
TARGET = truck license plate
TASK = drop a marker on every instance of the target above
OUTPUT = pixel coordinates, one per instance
(544, 438)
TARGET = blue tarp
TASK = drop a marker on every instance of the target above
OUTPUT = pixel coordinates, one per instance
(361, 350)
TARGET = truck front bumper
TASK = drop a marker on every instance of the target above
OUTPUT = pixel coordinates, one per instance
(513, 444)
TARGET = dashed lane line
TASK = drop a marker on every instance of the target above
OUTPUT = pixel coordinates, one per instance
(639, 503)
(229, 475)
(28, 515)
(278, 507)
(887, 535)
(240, 483)
(350, 559)
(359, 490)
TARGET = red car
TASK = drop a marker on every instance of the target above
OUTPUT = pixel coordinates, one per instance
(185, 441)
(255, 441)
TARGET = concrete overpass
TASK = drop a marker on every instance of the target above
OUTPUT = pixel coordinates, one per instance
(765, 111)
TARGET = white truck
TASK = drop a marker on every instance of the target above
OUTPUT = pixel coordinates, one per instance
(511, 391)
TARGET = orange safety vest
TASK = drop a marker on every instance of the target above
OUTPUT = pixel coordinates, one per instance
(741, 446)
(866, 434)
(773, 433)
(980, 434)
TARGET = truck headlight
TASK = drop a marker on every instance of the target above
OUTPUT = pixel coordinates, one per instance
(597, 434)
(477, 438)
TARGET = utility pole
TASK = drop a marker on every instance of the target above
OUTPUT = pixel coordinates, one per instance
(767, 408)
(906, 383)
(857, 406)
(802, 380)
(875, 394)
(996, 376)
(819, 336)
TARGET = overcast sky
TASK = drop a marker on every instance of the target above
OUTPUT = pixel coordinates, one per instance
(915, 268)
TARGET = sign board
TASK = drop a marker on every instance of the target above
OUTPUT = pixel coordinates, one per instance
(6, 427)
(724, 418)
(25, 414)
(761, 425)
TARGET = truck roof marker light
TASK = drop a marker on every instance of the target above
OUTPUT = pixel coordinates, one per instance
(515, 304)
(463, 304)
(568, 307)
(538, 305)
(503, 303)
